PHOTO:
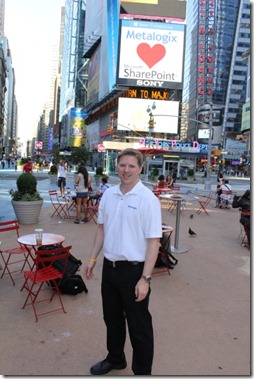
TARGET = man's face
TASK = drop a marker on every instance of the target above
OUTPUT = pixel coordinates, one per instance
(128, 170)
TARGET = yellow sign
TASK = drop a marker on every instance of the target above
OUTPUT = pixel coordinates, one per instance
(216, 152)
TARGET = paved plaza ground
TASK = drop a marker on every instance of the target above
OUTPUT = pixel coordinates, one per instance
(201, 312)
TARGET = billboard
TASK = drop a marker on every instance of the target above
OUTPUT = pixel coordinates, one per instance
(113, 8)
(77, 126)
(93, 22)
(133, 115)
(151, 54)
(94, 76)
(169, 9)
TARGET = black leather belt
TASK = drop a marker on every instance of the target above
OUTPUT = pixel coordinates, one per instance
(122, 263)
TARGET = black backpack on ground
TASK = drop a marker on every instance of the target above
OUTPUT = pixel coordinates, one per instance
(165, 257)
(72, 283)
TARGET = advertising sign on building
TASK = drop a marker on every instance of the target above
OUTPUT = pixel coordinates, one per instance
(38, 145)
(77, 126)
(151, 54)
(133, 115)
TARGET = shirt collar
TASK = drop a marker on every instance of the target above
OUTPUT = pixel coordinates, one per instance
(135, 190)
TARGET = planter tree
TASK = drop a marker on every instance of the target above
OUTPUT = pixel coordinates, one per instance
(26, 201)
(98, 175)
(190, 175)
(53, 173)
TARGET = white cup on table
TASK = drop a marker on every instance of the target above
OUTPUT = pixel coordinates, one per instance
(38, 236)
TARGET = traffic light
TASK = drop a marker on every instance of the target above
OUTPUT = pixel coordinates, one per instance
(151, 123)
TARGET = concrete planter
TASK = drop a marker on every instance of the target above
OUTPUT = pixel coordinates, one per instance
(97, 179)
(53, 179)
(27, 212)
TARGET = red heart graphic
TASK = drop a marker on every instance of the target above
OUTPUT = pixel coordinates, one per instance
(151, 55)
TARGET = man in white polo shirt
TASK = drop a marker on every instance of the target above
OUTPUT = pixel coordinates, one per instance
(129, 231)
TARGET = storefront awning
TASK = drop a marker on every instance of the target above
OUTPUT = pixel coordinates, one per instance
(152, 151)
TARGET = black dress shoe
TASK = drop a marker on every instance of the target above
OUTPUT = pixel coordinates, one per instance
(103, 367)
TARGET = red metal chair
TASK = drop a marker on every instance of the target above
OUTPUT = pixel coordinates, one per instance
(92, 209)
(204, 203)
(60, 207)
(11, 257)
(44, 277)
(172, 204)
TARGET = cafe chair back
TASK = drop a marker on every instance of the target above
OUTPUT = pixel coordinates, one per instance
(204, 203)
(16, 257)
(42, 283)
(92, 209)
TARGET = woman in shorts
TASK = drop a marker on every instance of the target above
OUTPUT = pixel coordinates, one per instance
(83, 182)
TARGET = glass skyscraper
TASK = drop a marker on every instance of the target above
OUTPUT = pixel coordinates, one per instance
(218, 33)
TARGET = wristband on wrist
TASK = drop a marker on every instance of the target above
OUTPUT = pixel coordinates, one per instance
(92, 259)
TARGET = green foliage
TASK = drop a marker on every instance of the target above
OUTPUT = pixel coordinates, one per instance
(99, 171)
(17, 196)
(26, 183)
(27, 188)
(56, 157)
(190, 172)
(53, 170)
(79, 156)
(155, 172)
(22, 161)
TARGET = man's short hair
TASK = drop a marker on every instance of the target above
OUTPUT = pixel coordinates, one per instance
(133, 153)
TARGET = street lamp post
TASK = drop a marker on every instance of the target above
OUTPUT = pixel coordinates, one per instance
(150, 128)
(151, 119)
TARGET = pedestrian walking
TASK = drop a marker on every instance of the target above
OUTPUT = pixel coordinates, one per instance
(3, 163)
(28, 166)
(61, 175)
(128, 231)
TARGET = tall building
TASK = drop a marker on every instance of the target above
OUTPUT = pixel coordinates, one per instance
(8, 102)
(218, 33)
(8, 106)
(48, 125)
(2, 13)
(73, 83)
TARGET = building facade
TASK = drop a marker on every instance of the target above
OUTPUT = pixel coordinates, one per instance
(129, 95)
(218, 33)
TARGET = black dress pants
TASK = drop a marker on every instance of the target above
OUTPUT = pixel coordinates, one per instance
(119, 306)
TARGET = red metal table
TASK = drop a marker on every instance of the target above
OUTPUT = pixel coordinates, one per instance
(29, 240)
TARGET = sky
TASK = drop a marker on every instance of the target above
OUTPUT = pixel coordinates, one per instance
(32, 27)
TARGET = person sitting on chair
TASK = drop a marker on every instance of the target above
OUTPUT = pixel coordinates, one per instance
(104, 187)
(161, 182)
(225, 193)
(170, 181)
(218, 198)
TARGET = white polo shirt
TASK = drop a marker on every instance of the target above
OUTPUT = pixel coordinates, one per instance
(129, 219)
(225, 188)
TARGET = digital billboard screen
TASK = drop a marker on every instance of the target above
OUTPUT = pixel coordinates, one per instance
(151, 54)
(133, 115)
